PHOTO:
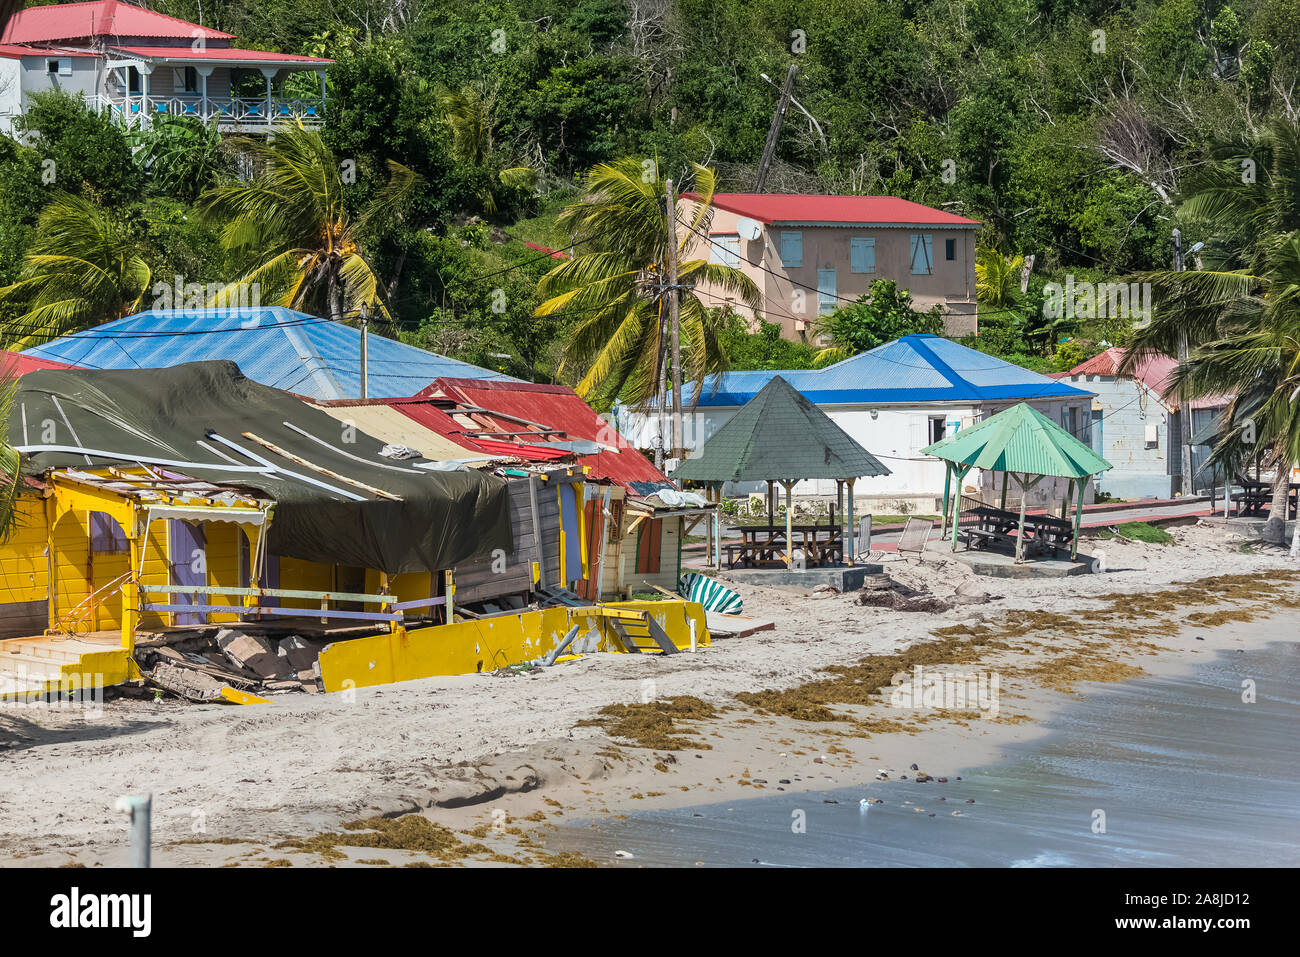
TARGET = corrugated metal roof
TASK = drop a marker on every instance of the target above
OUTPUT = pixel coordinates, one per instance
(918, 368)
(780, 435)
(16, 364)
(102, 18)
(278, 347)
(219, 54)
(1154, 371)
(387, 423)
(431, 417)
(809, 209)
(557, 407)
(1020, 439)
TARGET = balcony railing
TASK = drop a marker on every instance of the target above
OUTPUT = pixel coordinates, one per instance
(243, 115)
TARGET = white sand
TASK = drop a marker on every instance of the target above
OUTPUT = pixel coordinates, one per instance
(306, 763)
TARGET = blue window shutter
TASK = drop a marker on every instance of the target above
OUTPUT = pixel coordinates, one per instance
(826, 293)
(922, 254)
(791, 248)
(862, 254)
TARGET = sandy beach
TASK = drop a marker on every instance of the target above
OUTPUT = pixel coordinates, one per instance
(482, 765)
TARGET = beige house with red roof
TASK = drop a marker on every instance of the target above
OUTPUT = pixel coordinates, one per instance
(138, 65)
(812, 254)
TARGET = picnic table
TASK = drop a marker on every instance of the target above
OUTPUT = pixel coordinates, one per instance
(765, 545)
(993, 526)
(1254, 495)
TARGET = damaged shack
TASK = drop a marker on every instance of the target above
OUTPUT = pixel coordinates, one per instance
(172, 515)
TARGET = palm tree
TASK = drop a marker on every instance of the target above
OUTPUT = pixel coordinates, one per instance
(292, 224)
(10, 478)
(468, 113)
(1241, 317)
(614, 291)
(997, 277)
(181, 155)
(84, 268)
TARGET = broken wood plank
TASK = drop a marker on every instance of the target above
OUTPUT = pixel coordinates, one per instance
(299, 460)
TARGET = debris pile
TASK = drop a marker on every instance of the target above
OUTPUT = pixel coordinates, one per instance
(203, 665)
(881, 591)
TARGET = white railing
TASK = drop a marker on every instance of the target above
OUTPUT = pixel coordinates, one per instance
(246, 114)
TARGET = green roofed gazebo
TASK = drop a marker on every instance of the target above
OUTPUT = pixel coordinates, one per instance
(1027, 445)
(779, 435)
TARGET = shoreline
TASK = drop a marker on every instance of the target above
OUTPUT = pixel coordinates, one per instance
(304, 767)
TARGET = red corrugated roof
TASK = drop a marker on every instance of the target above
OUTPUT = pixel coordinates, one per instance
(15, 364)
(1154, 372)
(431, 417)
(553, 407)
(14, 50)
(771, 208)
(103, 18)
(220, 55)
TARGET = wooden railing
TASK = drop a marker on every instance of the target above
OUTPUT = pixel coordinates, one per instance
(243, 113)
(394, 613)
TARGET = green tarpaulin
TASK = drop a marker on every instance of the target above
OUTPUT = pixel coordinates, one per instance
(781, 435)
(191, 420)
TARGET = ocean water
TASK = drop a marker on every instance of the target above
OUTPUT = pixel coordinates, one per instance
(1157, 771)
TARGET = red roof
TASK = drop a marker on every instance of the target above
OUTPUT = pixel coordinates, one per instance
(16, 364)
(555, 253)
(772, 208)
(427, 414)
(552, 407)
(185, 54)
(1154, 372)
(102, 18)
(11, 51)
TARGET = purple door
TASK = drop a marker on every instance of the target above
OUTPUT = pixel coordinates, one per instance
(189, 562)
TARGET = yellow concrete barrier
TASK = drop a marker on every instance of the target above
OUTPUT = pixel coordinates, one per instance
(466, 647)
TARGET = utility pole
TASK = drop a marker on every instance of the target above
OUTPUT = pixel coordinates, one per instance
(661, 351)
(1184, 405)
(674, 323)
(365, 372)
(774, 132)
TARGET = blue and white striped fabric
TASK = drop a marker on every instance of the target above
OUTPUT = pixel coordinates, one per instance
(710, 593)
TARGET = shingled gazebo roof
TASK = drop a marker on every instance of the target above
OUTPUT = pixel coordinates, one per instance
(779, 435)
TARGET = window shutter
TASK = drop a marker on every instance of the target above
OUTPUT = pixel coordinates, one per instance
(922, 254)
(862, 254)
(791, 248)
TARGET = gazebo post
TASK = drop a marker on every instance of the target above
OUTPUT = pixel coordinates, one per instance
(956, 502)
(1065, 502)
(1078, 517)
(771, 503)
(851, 539)
(1003, 506)
(789, 525)
(947, 481)
(1020, 532)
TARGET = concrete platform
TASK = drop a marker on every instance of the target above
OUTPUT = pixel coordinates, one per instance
(843, 577)
(1003, 565)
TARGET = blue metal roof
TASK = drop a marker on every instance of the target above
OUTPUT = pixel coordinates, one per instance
(272, 345)
(918, 368)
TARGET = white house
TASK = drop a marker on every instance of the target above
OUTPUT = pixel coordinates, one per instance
(893, 400)
(1136, 428)
(137, 65)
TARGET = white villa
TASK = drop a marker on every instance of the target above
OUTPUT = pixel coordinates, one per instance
(139, 65)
